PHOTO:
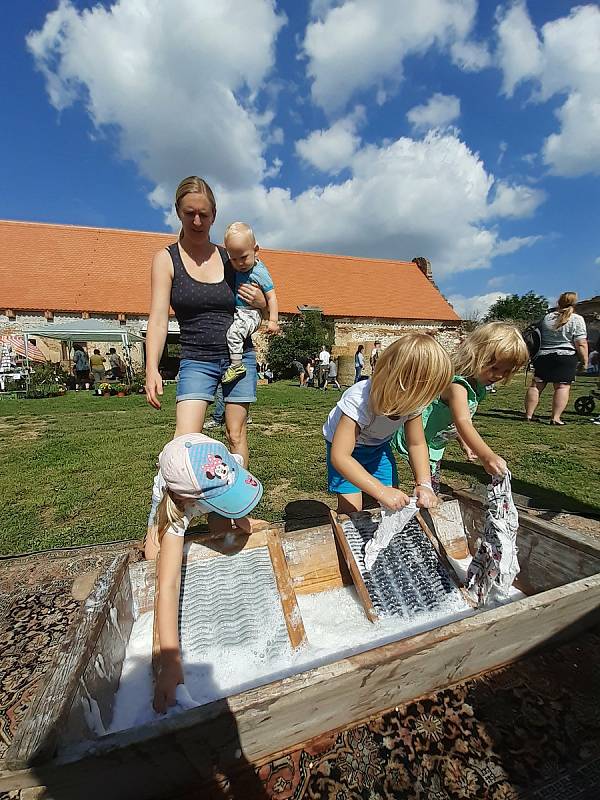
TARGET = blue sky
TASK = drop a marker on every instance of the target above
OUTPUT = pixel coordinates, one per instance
(465, 132)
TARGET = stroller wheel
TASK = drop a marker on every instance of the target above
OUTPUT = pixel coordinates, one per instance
(585, 405)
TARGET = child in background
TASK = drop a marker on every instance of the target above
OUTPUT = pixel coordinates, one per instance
(197, 475)
(332, 375)
(408, 376)
(491, 353)
(242, 249)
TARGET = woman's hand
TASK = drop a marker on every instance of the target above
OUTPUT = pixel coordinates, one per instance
(426, 497)
(393, 499)
(169, 678)
(154, 387)
(252, 294)
(495, 465)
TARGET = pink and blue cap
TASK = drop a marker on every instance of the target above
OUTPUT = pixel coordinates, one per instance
(197, 467)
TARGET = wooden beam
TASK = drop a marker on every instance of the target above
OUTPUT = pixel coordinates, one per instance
(361, 589)
(287, 595)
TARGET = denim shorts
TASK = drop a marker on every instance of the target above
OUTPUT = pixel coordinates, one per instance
(198, 380)
(378, 461)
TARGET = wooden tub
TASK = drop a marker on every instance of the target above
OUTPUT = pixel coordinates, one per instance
(560, 573)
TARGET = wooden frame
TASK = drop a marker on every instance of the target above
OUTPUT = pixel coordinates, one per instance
(175, 752)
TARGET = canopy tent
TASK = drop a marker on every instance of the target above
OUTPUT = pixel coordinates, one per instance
(86, 330)
(16, 344)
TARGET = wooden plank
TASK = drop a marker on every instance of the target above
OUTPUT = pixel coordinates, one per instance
(36, 737)
(441, 554)
(314, 560)
(361, 589)
(449, 528)
(287, 595)
(270, 719)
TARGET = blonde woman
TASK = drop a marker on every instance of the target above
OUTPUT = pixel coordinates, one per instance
(564, 341)
(408, 376)
(491, 353)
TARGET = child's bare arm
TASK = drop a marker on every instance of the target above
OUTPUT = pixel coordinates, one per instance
(456, 398)
(418, 455)
(273, 306)
(169, 580)
(342, 446)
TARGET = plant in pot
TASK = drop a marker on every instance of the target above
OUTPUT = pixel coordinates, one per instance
(105, 389)
(121, 389)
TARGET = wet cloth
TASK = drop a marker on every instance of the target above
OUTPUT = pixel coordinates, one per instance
(392, 522)
(495, 564)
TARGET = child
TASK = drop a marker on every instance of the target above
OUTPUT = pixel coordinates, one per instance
(242, 249)
(198, 475)
(408, 375)
(332, 375)
(491, 353)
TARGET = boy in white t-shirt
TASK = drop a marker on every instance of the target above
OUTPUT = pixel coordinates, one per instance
(409, 375)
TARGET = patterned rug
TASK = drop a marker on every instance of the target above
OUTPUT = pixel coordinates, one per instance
(530, 731)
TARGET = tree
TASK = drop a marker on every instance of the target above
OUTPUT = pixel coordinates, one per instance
(300, 339)
(522, 309)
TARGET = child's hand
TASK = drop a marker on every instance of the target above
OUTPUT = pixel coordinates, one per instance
(495, 465)
(273, 327)
(169, 677)
(467, 451)
(426, 497)
(393, 499)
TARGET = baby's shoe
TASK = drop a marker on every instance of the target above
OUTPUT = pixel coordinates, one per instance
(233, 372)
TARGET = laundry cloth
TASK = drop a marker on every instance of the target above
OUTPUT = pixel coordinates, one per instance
(392, 522)
(495, 564)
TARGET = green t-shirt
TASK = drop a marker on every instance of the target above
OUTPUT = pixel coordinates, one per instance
(437, 421)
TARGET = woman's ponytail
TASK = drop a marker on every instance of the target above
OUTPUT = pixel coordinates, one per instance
(566, 307)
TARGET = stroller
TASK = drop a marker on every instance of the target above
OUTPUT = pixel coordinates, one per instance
(587, 403)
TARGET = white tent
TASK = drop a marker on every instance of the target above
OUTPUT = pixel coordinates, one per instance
(86, 330)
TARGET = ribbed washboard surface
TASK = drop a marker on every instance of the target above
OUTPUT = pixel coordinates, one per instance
(232, 601)
(407, 578)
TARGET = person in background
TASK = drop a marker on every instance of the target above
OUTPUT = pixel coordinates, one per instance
(310, 372)
(81, 364)
(332, 375)
(97, 367)
(359, 362)
(300, 371)
(564, 342)
(375, 353)
(116, 364)
(324, 359)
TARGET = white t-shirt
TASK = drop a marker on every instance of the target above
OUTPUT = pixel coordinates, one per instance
(374, 430)
(560, 340)
(324, 358)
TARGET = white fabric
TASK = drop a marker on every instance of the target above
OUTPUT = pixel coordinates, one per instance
(354, 403)
(324, 358)
(495, 564)
(560, 340)
(246, 321)
(392, 522)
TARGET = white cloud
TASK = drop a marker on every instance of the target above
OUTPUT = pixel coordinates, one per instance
(437, 112)
(563, 60)
(499, 280)
(331, 150)
(170, 77)
(470, 56)
(597, 260)
(476, 306)
(359, 43)
(515, 200)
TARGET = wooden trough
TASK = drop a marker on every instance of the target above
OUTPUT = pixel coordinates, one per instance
(55, 746)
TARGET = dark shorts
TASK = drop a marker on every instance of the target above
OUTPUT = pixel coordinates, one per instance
(83, 374)
(555, 368)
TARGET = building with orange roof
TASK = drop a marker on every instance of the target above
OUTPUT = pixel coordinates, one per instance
(64, 273)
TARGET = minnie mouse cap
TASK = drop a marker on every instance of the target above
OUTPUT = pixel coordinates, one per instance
(198, 467)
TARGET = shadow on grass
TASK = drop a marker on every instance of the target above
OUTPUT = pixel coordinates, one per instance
(533, 495)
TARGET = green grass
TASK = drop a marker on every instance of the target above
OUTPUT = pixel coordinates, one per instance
(77, 469)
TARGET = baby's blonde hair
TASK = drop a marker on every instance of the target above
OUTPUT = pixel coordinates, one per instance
(408, 375)
(238, 229)
(488, 344)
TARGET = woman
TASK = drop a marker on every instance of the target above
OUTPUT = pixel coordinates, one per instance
(564, 341)
(196, 279)
(359, 362)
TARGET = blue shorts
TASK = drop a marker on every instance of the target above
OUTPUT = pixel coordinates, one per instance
(198, 380)
(378, 461)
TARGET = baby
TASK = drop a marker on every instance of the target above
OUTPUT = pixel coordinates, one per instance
(242, 249)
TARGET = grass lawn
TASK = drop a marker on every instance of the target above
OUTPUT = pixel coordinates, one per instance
(78, 469)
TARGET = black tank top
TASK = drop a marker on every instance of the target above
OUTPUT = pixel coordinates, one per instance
(204, 311)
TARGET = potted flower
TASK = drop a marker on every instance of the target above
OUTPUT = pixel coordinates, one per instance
(121, 389)
(104, 389)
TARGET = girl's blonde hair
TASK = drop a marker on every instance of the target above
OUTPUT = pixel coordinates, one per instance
(199, 186)
(408, 375)
(566, 306)
(488, 344)
(168, 512)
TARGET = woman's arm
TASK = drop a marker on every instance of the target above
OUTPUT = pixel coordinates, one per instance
(252, 294)
(344, 441)
(581, 346)
(158, 323)
(418, 455)
(456, 398)
(169, 580)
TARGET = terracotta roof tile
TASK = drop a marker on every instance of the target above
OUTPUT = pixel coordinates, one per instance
(104, 270)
